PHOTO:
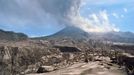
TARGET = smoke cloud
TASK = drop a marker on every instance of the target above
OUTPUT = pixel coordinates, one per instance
(52, 12)
(94, 23)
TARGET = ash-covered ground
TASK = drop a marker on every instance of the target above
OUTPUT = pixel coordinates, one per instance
(65, 57)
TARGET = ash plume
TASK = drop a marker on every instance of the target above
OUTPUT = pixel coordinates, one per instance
(59, 12)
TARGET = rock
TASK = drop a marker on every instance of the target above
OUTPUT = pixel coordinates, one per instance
(31, 69)
(110, 64)
(44, 69)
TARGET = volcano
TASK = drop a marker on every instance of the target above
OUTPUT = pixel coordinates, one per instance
(77, 34)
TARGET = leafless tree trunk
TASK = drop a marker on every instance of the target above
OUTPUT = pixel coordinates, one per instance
(2, 52)
(14, 60)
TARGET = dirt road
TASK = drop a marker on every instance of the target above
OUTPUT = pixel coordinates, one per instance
(92, 68)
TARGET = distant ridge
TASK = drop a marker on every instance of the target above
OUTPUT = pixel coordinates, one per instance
(12, 36)
(76, 33)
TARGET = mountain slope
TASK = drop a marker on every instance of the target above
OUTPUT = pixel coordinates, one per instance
(76, 33)
(71, 32)
(12, 36)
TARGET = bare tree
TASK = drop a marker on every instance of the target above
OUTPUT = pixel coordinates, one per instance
(2, 52)
(14, 52)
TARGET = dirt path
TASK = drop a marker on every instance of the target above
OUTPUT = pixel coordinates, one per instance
(92, 68)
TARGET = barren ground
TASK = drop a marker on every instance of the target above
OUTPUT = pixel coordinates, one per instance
(91, 68)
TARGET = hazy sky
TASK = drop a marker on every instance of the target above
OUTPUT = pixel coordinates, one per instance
(45, 17)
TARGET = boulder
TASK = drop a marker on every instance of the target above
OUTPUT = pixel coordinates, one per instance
(44, 69)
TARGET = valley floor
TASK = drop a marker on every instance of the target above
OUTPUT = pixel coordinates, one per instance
(91, 68)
